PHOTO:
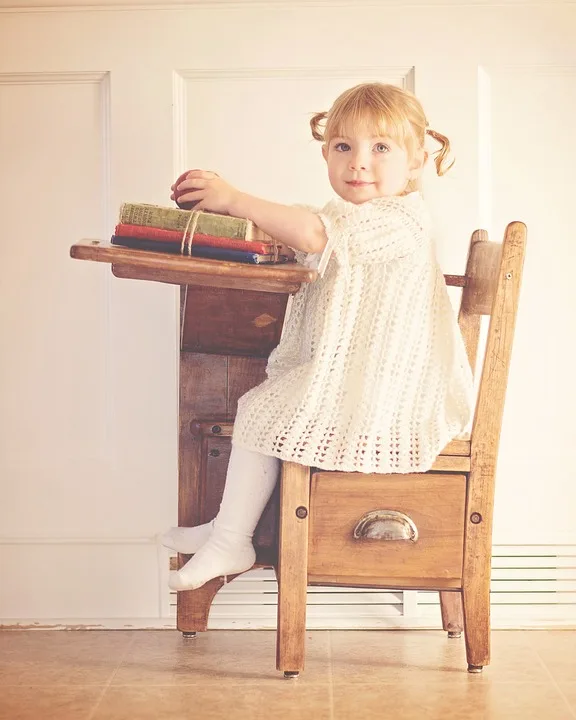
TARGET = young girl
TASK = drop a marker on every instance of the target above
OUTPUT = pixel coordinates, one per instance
(371, 373)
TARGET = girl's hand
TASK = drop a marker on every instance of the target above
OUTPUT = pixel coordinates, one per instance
(203, 190)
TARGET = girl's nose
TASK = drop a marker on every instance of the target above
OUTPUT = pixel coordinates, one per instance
(358, 162)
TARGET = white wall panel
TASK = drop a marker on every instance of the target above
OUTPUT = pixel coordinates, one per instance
(54, 418)
(100, 105)
(532, 178)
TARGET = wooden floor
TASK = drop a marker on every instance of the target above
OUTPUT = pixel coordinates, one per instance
(359, 675)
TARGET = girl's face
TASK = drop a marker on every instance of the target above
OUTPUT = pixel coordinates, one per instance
(363, 166)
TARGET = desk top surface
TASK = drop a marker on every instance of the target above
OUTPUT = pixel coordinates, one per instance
(185, 270)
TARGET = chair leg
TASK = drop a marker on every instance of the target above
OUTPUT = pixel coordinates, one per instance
(292, 571)
(451, 608)
(476, 607)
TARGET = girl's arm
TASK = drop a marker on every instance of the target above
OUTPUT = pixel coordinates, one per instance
(297, 227)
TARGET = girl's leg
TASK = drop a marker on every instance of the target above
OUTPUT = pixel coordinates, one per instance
(250, 481)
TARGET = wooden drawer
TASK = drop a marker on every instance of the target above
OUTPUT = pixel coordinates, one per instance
(427, 508)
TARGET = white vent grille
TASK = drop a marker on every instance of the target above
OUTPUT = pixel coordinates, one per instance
(532, 586)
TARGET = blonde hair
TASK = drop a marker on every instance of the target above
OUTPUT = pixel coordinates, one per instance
(385, 109)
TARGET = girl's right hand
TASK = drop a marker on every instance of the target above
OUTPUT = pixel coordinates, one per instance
(177, 193)
(205, 190)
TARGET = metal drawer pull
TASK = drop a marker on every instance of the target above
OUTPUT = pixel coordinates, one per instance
(386, 525)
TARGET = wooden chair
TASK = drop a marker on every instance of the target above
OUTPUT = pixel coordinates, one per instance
(430, 530)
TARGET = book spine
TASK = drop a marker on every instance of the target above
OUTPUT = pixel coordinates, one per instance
(175, 219)
(232, 255)
(146, 244)
(223, 254)
(160, 235)
(215, 253)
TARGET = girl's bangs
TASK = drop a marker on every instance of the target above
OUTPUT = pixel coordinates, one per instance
(381, 121)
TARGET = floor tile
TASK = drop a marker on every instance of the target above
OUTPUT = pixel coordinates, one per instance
(64, 702)
(429, 656)
(59, 657)
(408, 700)
(568, 689)
(557, 648)
(215, 658)
(287, 700)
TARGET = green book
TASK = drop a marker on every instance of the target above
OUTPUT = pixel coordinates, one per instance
(209, 223)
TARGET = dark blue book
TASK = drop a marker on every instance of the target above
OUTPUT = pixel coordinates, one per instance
(214, 253)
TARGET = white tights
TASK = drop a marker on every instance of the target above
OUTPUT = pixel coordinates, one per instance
(224, 545)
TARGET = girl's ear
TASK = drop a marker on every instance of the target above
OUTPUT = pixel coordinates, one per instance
(420, 159)
(325, 151)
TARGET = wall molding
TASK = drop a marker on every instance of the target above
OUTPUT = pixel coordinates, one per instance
(405, 73)
(54, 540)
(111, 5)
(268, 622)
(59, 78)
(565, 547)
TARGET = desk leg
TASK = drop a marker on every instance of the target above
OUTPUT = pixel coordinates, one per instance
(210, 386)
(194, 606)
(451, 608)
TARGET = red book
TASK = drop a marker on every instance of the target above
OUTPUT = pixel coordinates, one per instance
(170, 236)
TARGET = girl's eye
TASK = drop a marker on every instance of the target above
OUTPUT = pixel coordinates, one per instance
(381, 148)
(342, 147)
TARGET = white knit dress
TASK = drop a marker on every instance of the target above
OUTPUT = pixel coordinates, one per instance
(371, 373)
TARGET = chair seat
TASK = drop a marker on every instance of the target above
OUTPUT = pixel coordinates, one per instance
(454, 458)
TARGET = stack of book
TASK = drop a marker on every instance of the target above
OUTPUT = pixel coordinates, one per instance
(206, 235)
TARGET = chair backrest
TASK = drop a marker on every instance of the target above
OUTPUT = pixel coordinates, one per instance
(491, 287)
(478, 293)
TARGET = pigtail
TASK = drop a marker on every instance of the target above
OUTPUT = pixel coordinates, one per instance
(315, 125)
(441, 154)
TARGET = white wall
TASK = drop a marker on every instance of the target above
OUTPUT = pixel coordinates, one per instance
(101, 104)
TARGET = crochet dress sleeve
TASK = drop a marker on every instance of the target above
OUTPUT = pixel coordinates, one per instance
(375, 232)
(301, 256)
